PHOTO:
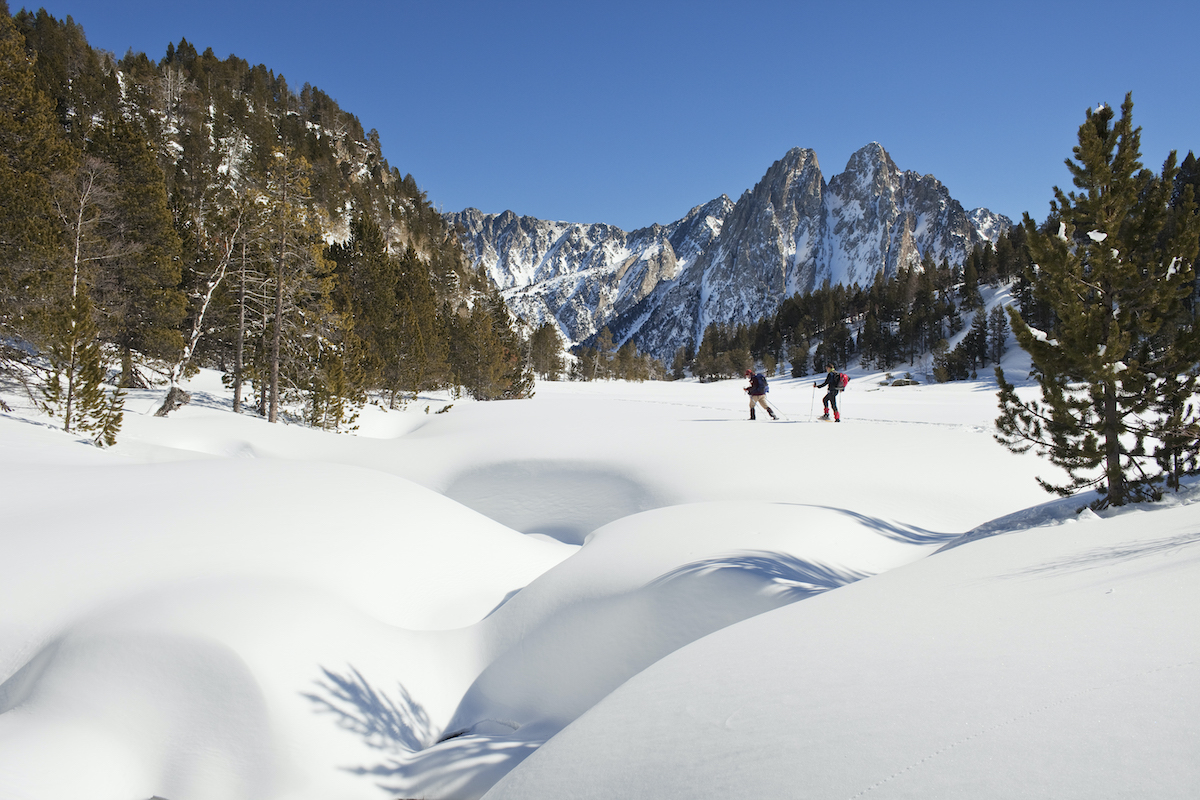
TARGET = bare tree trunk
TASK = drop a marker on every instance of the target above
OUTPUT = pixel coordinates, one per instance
(241, 336)
(277, 335)
(262, 397)
(1112, 447)
(177, 397)
(277, 329)
(75, 267)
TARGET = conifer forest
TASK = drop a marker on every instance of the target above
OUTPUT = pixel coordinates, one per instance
(159, 216)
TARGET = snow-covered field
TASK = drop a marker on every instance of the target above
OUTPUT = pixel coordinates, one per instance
(609, 591)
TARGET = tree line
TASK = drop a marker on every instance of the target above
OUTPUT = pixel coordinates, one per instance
(158, 216)
(897, 319)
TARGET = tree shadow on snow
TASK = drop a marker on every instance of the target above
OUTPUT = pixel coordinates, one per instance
(209, 400)
(900, 532)
(466, 766)
(400, 725)
(792, 578)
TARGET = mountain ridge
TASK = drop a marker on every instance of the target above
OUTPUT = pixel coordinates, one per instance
(725, 262)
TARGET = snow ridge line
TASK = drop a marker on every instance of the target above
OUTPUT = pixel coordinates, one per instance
(1026, 715)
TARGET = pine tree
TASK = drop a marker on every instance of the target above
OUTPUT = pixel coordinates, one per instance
(517, 379)
(138, 286)
(215, 260)
(290, 237)
(970, 285)
(545, 351)
(486, 353)
(1113, 264)
(421, 343)
(31, 151)
(997, 333)
(73, 389)
(367, 290)
(602, 369)
(78, 80)
(975, 343)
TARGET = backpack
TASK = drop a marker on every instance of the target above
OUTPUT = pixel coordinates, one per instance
(760, 383)
(842, 380)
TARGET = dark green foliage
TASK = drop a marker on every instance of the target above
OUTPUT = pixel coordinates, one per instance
(137, 288)
(79, 81)
(73, 388)
(630, 365)
(835, 349)
(969, 292)
(949, 365)
(31, 150)
(546, 352)
(724, 352)
(1118, 367)
(603, 360)
(997, 338)
(973, 351)
(392, 309)
(486, 353)
(222, 185)
(896, 319)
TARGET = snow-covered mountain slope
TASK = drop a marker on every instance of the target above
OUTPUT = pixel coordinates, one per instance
(726, 262)
(582, 276)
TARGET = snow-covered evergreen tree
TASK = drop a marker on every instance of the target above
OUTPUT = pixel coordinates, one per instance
(1113, 262)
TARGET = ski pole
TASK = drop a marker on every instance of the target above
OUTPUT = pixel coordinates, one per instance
(812, 402)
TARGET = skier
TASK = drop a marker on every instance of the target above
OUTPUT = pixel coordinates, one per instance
(757, 391)
(833, 382)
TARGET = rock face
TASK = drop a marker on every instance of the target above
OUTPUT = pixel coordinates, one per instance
(725, 262)
(583, 276)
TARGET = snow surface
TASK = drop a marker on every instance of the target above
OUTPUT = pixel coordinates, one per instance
(610, 590)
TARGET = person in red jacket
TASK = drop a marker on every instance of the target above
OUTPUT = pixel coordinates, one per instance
(758, 392)
(833, 382)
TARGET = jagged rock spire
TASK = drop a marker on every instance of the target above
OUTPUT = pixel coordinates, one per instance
(726, 262)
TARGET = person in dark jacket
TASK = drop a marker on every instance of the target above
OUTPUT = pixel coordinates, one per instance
(833, 382)
(758, 391)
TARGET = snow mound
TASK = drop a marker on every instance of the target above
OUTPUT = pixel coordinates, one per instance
(611, 589)
(1034, 664)
(641, 588)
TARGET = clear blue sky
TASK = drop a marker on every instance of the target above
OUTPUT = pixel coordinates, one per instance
(631, 113)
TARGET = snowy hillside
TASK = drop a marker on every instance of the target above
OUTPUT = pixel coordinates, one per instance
(610, 590)
(582, 276)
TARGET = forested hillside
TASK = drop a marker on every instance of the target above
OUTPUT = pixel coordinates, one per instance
(161, 214)
(893, 322)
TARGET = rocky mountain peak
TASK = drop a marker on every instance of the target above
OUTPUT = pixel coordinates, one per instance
(724, 261)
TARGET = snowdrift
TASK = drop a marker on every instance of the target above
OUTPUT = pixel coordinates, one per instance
(608, 590)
